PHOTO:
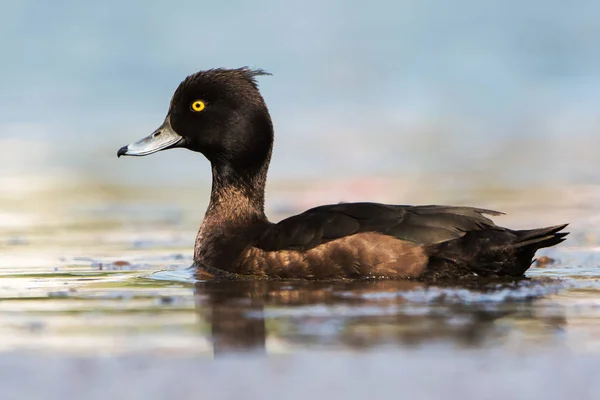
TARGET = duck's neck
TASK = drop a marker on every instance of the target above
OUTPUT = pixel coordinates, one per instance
(237, 196)
(235, 210)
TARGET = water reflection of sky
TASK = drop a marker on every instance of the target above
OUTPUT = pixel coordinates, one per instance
(357, 88)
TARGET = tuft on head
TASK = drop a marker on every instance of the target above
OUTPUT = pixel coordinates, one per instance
(245, 73)
(251, 74)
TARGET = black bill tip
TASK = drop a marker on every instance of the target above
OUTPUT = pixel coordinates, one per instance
(122, 151)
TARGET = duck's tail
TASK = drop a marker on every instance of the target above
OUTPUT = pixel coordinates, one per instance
(531, 240)
(492, 253)
(534, 239)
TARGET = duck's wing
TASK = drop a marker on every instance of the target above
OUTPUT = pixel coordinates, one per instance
(419, 224)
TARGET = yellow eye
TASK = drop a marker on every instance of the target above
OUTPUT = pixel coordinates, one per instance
(198, 106)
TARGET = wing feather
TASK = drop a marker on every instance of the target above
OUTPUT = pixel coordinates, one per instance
(421, 224)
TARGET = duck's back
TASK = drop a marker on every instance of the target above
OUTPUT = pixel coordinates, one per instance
(420, 224)
(371, 240)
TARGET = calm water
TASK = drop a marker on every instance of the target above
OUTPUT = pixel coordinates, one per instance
(92, 273)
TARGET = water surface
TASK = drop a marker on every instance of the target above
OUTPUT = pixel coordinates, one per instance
(107, 274)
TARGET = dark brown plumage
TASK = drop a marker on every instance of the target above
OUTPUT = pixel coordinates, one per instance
(221, 114)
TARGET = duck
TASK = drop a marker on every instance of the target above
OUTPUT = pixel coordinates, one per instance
(221, 114)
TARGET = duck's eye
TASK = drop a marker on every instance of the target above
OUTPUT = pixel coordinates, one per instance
(198, 106)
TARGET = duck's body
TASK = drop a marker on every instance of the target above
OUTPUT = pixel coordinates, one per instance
(370, 240)
(221, 114)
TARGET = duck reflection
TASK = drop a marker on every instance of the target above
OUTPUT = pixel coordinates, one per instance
(360, 315)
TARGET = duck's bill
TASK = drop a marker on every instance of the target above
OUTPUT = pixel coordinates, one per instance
(161, 139)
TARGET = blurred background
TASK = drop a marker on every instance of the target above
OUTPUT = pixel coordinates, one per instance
(508, 90)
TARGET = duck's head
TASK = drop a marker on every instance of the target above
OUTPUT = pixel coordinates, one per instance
(219, 113)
